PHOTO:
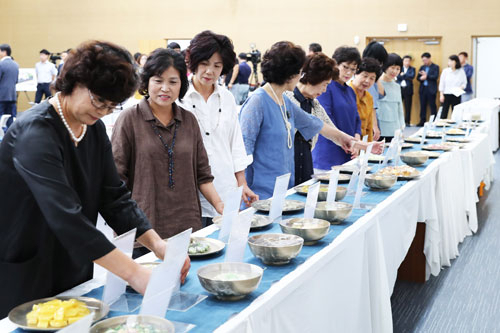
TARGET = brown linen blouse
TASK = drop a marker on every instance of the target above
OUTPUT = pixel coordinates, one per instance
(142, 162)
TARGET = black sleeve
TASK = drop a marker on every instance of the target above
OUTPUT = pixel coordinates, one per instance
(39, 159)
(117, 206)
(433, 73)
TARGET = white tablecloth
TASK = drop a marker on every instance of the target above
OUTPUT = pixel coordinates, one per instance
(346, 287)
(488, 109)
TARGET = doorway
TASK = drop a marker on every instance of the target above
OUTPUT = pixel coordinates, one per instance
(414, 47)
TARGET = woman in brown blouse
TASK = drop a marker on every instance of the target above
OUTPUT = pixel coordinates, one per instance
(159, 152)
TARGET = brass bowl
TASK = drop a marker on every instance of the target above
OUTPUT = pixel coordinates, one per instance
(414, 158)
(380, 182)
(275, 249)
(334, 212)
(311, 230)
(230, 281)
(162, 324)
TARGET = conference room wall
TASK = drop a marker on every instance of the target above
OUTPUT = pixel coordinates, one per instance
(30, 25)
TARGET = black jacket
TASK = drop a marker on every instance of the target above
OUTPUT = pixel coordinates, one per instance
(408, 78)
(432, 77)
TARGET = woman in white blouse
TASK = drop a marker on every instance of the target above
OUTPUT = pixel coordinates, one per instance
(209, 56)
(452, 80)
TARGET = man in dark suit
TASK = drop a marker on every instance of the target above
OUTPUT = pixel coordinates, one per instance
(428, 75)
(9, 73)
(405, 80)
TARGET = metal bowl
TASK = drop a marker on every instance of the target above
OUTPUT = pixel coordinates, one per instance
(258, 221)
(18, 314)
(380, 182)
(323, 191)
(311, 230)
(414, 158)
(275, 249)
(289, 206)
(334, 212)
(162, 324)
(230, 281)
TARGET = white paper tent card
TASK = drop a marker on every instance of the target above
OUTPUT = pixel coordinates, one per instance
(279, 195)
(165, 278)
(231, 208)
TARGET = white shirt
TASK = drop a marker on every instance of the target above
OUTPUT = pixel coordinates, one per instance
(222, 138)
(45, 71)
(452, 79)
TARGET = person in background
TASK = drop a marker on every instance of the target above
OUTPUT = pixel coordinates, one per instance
(142, 60)
(469, 71)
(159, 152)
(58, 171)
(366, 76)
(428, 75)
(9, 73)
(174, 46)
(238, 84)
(452, 78)
(209, 56)
(314, 48)
(269, 120)
(378, 52)
(317, 73)
(405, 80)
(339, 102)
(64, 55)
(46, 72)
(390, 111)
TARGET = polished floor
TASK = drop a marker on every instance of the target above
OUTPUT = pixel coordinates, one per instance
(466, 296)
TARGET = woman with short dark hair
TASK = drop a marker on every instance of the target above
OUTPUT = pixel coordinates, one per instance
(452, 80)
(159, 150)
(317, 73)
(209, 56)
(58, 170)
(339, 102)
(390, 112)
(269, 120)
(366, 76)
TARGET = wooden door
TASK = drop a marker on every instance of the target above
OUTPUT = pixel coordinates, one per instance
(414, 46)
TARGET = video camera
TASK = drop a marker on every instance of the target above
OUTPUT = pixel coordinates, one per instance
(54, 57)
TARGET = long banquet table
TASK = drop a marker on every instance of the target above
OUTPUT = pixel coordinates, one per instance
(344, 284)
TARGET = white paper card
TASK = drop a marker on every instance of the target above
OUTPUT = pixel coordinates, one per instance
(80, 326)
(232, 202)
(165, 277)
(312, 199)
(109, 233)
(361, 181)
(424, 133)
(438, 115)
(235, 251)
(279, 195)
(115, 286)
(389, 153)
(351, 190)
(332, 185)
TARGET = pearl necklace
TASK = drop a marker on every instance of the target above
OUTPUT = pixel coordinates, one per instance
(288, 126)
(75, 139)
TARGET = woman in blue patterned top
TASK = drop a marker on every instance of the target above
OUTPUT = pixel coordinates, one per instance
(269, 121)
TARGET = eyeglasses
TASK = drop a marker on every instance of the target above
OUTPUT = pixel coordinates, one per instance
(100, 105)
(348, 69)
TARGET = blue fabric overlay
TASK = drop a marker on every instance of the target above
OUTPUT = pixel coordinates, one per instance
(212, 313)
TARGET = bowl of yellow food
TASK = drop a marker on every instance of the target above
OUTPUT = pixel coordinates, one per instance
(54, 313)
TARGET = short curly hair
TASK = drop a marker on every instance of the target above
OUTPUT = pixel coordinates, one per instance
(106, 69)
(318, 68)
(347, 54)
(158, 62)
(369, 65)
(282, 61)
(205, 44)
